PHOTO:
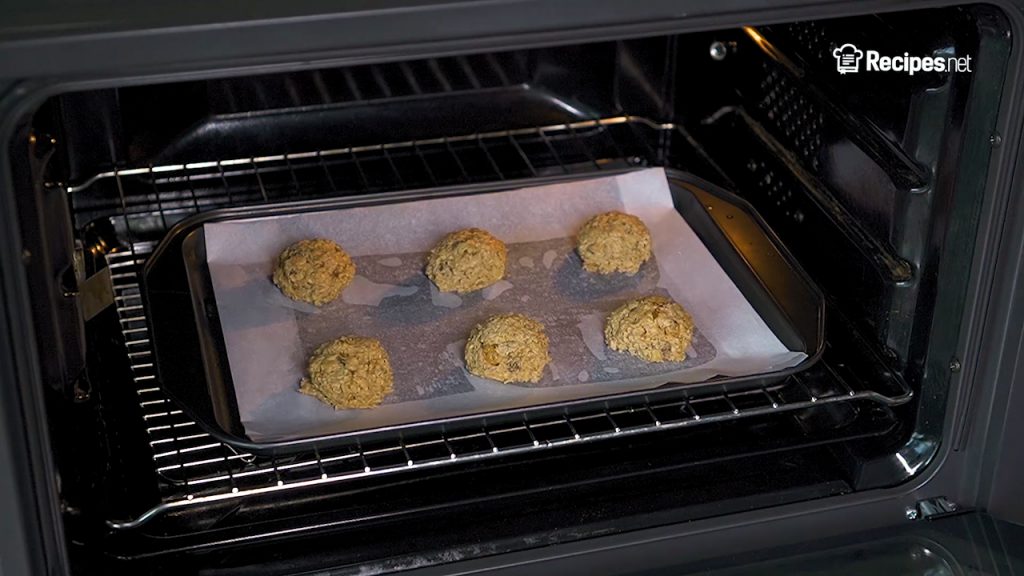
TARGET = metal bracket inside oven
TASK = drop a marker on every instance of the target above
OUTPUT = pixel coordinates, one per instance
(933, 509)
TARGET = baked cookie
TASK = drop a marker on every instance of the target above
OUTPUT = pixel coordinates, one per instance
(467, 260)
(350, 372)
(508, 348)
(613, 242)
(654, 328)
(314, 271)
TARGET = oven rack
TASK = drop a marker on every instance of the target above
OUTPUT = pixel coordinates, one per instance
(164, 173)
(195, 470)
(148, 200)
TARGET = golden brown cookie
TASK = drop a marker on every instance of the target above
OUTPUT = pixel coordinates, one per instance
(314, 271)
(467, 260)
(654, 328)
(613, 242)
(508, 348)
(350, 372)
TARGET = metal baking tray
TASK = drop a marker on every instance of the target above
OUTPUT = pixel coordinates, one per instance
(191, 356)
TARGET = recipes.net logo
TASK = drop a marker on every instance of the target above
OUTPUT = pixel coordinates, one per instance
(849, 58)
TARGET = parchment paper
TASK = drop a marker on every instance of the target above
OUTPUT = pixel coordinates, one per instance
(269, 337)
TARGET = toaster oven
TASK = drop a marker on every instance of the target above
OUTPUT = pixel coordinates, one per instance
(879, 144)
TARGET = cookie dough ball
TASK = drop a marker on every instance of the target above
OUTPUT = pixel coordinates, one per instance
(613, 242)
(467, 260)
(654, 328)
(350, 372)
(508, 348)
(314, 271)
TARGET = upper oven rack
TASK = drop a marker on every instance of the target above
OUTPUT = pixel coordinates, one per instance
(148, 200)
(194, 470)
(484, 139)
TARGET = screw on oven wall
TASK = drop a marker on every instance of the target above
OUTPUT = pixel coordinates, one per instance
(954, 365)
(718, 50)
(911, 513)
(995, 140)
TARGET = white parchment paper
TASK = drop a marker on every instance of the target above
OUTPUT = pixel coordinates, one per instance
(269, 337)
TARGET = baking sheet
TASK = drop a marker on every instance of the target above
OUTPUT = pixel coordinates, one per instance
(268, 337)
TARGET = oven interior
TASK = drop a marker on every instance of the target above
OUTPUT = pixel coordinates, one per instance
(874, 181)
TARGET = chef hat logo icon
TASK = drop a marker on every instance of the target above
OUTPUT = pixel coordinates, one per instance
(848, 58)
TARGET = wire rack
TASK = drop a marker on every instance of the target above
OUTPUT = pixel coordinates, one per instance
(194, 469)
(150, 199)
